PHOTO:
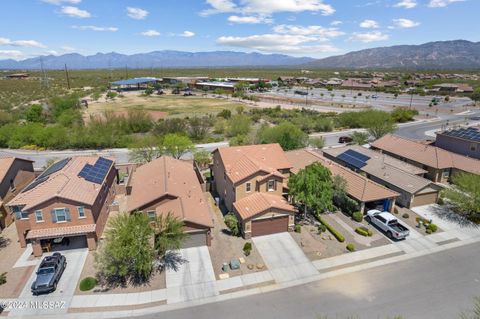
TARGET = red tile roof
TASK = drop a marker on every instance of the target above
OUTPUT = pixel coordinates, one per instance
(61, 231)
(258, 203)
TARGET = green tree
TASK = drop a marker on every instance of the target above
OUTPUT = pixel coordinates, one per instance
(239, 124)
(176, 145)
(379, 123)
(317, 142)
(203, 158)
(35, 114)
(145, 150)
(111, 95)
(288, 135)
(359, 138)
(232, 223)
(199, 127)
(465, 195)
(126, 255)
(169, 234)
(313, 187)
(241, 86)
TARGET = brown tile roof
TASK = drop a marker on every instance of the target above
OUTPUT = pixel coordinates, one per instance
(6, 163)
(175, 183)
(65, 184)
(426, 154)
(61, 231)
(358, 186)
(258, 203)
(243, 161)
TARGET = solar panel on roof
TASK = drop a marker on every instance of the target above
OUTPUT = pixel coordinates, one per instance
(55, 167)
(353, 158)
(96, 173)
(470, 133)
(357, 155)
(39, 180)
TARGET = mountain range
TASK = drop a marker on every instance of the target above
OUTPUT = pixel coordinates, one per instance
(446, 55)
(155, 59)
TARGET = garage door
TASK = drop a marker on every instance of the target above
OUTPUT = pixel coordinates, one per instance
(195, 240)
(269, 226)
(424, 199)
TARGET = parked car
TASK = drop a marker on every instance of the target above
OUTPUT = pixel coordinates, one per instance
(49, 273)
(344, 139)
(188, 94)
(387, 223)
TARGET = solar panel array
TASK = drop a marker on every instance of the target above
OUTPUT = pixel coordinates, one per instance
(469, 133)
(354, 158)
(55, 167)
(35, 183)
(96, 173)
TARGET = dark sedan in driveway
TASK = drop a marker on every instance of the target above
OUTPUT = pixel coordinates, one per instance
(49, 273)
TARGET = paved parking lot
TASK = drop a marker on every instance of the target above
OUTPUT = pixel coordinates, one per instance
(61, 298)
(284, 258)
(194, 279)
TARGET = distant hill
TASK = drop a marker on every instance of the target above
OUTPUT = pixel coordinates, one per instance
(443, 55)
(156, 59)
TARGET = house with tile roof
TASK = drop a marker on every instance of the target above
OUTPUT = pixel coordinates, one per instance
(15, 174)
(251, 181)
(167, 185)
(366, 192)
(440, 164)
(70, 199)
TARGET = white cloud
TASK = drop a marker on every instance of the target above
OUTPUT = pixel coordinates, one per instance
(75, 12)
(405, 23)
(336, 23)
(22, 43)
(406, 4)
(95, 28)
(187, 34)
(67, 48)
(11, 54)
(284, 43)
(150, 33)
(368, 37)
(60, 2)
(268, 7)
(137, 13)
(320, 33)
(249, 19)
(52, 52)
(369, 24)
(441, 3)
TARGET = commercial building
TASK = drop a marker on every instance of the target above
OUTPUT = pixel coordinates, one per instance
(251, 181)
(167, 185)
(401, 177)
(227, 86)
(15, 174)
(135, 83)
(367, 193)
(70, 199)
(463, 141)
(438, 163)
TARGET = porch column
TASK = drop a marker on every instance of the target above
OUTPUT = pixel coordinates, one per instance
(37, 248)
(91, 241)
(362, 207)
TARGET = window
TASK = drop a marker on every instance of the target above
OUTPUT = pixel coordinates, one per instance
(61, 215)
(248, 187)
(151, 214)
(39, 216)
(271, 185)
(81, 212)
(19, 214)
(446, 173)
(473, 147)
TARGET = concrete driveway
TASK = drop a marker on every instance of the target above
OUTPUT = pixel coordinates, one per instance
(59, 300)
(194, 279)
(284, 259)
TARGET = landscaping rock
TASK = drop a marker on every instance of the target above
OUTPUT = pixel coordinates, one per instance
(224, 276)
(241, 260)
(250, 266)
(260, 266)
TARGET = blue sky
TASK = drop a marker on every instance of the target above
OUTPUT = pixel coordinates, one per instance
(316, 28)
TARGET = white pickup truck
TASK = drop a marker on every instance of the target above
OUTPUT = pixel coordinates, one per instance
(387, 223)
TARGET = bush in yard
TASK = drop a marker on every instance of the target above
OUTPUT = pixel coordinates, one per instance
(395, 210)
(247, 248)
(298, 228)
(351, 247)
(364, 231)
(322, 228)
(3, 278)
(428, 231)
(357, 216)
(332, 230)
(405, 216)
(432, 227)
(232, 223)
(440, 201)
(88, 283)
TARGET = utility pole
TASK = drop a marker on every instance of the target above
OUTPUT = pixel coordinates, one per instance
(45, 84)
(126, 72)
(68, 78)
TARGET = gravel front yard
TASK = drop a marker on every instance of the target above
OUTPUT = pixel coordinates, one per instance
(411, 220)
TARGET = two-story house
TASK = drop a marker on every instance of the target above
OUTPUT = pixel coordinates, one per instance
(15, 174)
(251, 181)
(168, 185)
(70, 199)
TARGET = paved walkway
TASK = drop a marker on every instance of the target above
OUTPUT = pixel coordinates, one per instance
(23, 260)
(284, 258)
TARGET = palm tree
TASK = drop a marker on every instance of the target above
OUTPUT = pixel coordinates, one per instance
(169, 234)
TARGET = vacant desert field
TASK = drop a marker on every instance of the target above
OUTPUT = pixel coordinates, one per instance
(172, 105)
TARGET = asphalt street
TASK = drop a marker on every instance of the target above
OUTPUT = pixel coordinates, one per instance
(439, 286)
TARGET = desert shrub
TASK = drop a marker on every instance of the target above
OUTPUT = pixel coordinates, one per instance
(345, 203)
(88, 283)
(232, 223)
(247, 248)
(298, 228)
(428, 231)
(3, 278)
(440, 201)
(405, 216)
(321, 228)
(432, 227)
(332, 230)
(351, 247)
(395, 210)
(357, 216)
(364, 231)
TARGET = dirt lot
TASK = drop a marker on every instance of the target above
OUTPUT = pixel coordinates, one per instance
(159, 105)
(16, 277)
(324, 245)
(412, 220)
(226, 247)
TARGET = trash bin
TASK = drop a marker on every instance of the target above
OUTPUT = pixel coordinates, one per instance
(225, 267)
(235, 264)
